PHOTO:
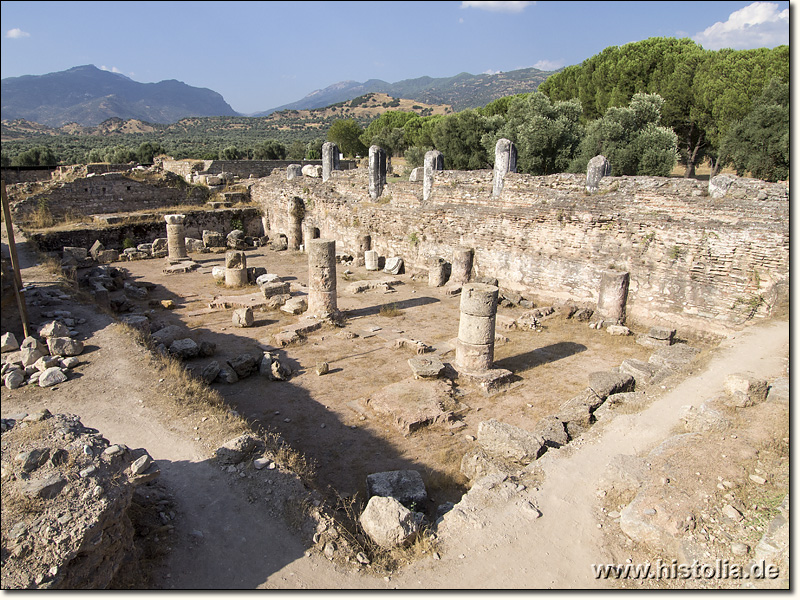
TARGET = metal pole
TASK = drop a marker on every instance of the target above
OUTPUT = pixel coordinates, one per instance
(12, 250)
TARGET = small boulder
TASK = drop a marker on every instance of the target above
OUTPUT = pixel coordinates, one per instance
(236, 450)
(388, 523)
(243, 317)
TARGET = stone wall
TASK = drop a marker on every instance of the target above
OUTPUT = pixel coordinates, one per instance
(103, 194)
(12, 175)
(698, 263)
(239, 168)
(112, 236)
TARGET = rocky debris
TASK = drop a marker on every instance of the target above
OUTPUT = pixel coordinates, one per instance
(607, 383)
(385, 285)
(405, 486)
(773, 547)
(477, 463)
(244, 365)
(779, 391)
(643, 372)
(243, 317)
(388, 523)
(743, 390)
(53, 329)
(81, 532)
(509, 441)
(657, 337)
(167, 335)
(618, 330)
(411, 404)
(295, 306)
(614, 401)
(210, 372)
(8, 343)
(184, 349)
(704, 418)
(426, 367)
(419, 347)
(674, 357)
(551, 431)
(237, 450)
(271, 367)
(577, 412)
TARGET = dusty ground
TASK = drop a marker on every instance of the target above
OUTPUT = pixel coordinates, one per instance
(244, 546)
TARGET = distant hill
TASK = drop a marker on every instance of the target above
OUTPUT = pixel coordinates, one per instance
(460, 92)
(89, 96)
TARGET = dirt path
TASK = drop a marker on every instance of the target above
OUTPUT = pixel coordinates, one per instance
(224, 540)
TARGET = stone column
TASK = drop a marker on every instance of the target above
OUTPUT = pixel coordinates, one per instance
(438, 271)
(597, 168)
(434, 161)
(505, 161)
(235, 268)
(363, 243)
(371, 260)
(462, 266)
(475, 345)
(377, 171)
(322, 278)
(176, 238)
(330, 159)
(297, 210)
(613, 296)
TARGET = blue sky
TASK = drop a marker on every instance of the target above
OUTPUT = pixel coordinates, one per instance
(260, 55)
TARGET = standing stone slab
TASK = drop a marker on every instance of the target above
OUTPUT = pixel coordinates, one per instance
(434, 161)
(461, 271)
(505, 161)
(330, 159)
(597, 168)
(377, 171)
(294, 172)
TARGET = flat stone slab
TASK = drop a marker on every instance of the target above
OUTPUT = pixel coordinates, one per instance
(491, 381)
(426, 367)
(412, 404)
(254, 300)
(186, 266)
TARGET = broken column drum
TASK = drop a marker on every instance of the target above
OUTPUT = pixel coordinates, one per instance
(363, 243)
(371, 260)
(297, 210)
(475, 344)
(438, 271)
(505, 161)
(235, 268)
(322, 278)
(330, 159)
(613, 296)
(377, 171)
(461, 270)
(434, 161)
(176, 238)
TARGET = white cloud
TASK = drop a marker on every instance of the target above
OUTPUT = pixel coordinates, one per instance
(17, 33)
(549, 65)
(491, 72)
(757, 25)
(112, 69)
(505, 7)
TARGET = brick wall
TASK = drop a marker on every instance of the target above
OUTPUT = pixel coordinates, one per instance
(696, 262)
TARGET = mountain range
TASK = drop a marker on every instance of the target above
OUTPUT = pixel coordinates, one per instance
(89, 96)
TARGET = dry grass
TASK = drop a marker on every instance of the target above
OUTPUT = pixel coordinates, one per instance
(390, 310)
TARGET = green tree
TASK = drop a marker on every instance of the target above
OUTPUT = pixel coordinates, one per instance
(546, 134)
(148, 150)
(459, 137)
(314, 149)
(704, 92)
(631, 139)
(269, 150)
(296, 150)
(759, 143)
(346, 133)
(230, 153)
(38, 156)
